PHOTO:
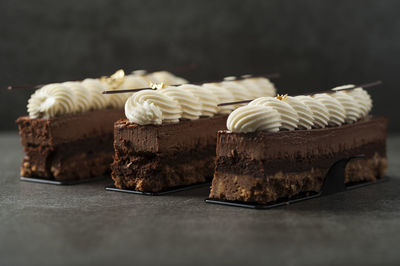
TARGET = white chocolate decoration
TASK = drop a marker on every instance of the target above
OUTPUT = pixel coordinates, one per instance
(289, 116)
(170, 109)
(251, 118)
(319, 112)
(306, 118)
(189, 104)
(343, 87)
(50, 101)
(207, 97)
(337, 113)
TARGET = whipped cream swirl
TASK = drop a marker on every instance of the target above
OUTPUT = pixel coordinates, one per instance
(238, 91)
(288, 115)
(87, 94)
(96, 88)
(189, 104)
(165, 77)
(259, 86)
(337, 113)
(207, 98)
(194, 101)
(319, 112)
(143, 114)
(346, 105)
(169, 108)
(360, 95)
(363, 99)
(306, 118)
(82, 96)
(252, 118)
(134, 82)
(223, 95)
(352, 109)
(52, 100)
(137, 80)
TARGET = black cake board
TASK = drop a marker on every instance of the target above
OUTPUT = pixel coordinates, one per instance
(164, 192)
(334, 183)
(61, 182)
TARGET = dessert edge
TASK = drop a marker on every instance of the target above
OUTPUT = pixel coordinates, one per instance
(153, 158)
(70, 147)
(265, 167)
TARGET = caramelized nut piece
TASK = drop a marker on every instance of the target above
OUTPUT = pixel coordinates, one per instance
(55, 171)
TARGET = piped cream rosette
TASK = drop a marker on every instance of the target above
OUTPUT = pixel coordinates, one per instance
(72, 97)
(193, 101)
(301, 112)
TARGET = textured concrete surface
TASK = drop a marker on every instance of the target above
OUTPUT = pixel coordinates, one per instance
(85, 225)
(313, 44)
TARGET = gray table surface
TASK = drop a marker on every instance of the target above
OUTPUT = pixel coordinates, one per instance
(84, 225)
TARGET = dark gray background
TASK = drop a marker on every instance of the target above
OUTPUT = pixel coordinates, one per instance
(313, 44)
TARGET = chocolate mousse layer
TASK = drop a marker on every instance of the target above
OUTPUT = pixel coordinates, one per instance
(153, 158)
(70, 147)
(266, 167)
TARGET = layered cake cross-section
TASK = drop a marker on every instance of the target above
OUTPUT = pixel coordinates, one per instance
(169, 135)
(279, 148)
(68, 134)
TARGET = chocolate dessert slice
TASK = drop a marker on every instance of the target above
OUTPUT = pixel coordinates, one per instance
(68, 134)
(68, 147)
(169, 137)
(266, 167)
(153, 158)
(262, 159)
